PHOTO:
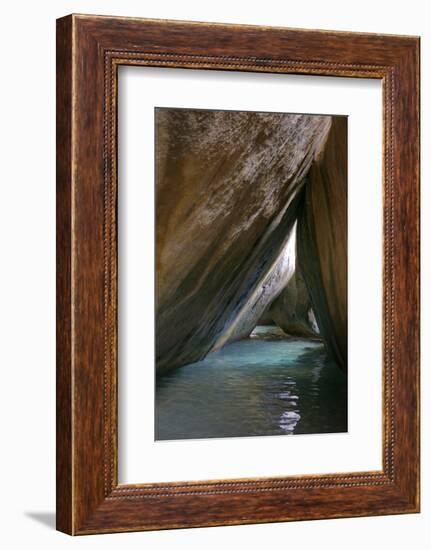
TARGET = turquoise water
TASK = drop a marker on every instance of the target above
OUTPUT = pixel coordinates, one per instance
(265, 385)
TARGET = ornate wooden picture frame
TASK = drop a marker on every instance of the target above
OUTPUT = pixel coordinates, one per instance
(89, 51)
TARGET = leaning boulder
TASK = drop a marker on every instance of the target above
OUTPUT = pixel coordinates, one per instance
(270, 287)
(292, 310)
(322, 240)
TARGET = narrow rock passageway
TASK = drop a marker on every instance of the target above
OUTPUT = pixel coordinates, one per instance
(251, 224)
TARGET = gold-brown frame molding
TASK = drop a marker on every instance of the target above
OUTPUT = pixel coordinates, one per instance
(89, 51)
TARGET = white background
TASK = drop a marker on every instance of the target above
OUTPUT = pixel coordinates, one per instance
(141, 458)
(27, 120)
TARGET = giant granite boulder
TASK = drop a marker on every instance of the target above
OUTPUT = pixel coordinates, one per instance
(227, 191)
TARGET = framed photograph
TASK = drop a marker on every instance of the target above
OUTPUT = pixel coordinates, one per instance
(237, 274)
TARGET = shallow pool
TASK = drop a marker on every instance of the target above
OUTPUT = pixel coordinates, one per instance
(265, 385)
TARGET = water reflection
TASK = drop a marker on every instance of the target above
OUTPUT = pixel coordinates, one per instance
(266, 385)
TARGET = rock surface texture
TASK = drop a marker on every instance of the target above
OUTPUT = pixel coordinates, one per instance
(270, 286)
(322, 240)
(292, 310)
(228, 186)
